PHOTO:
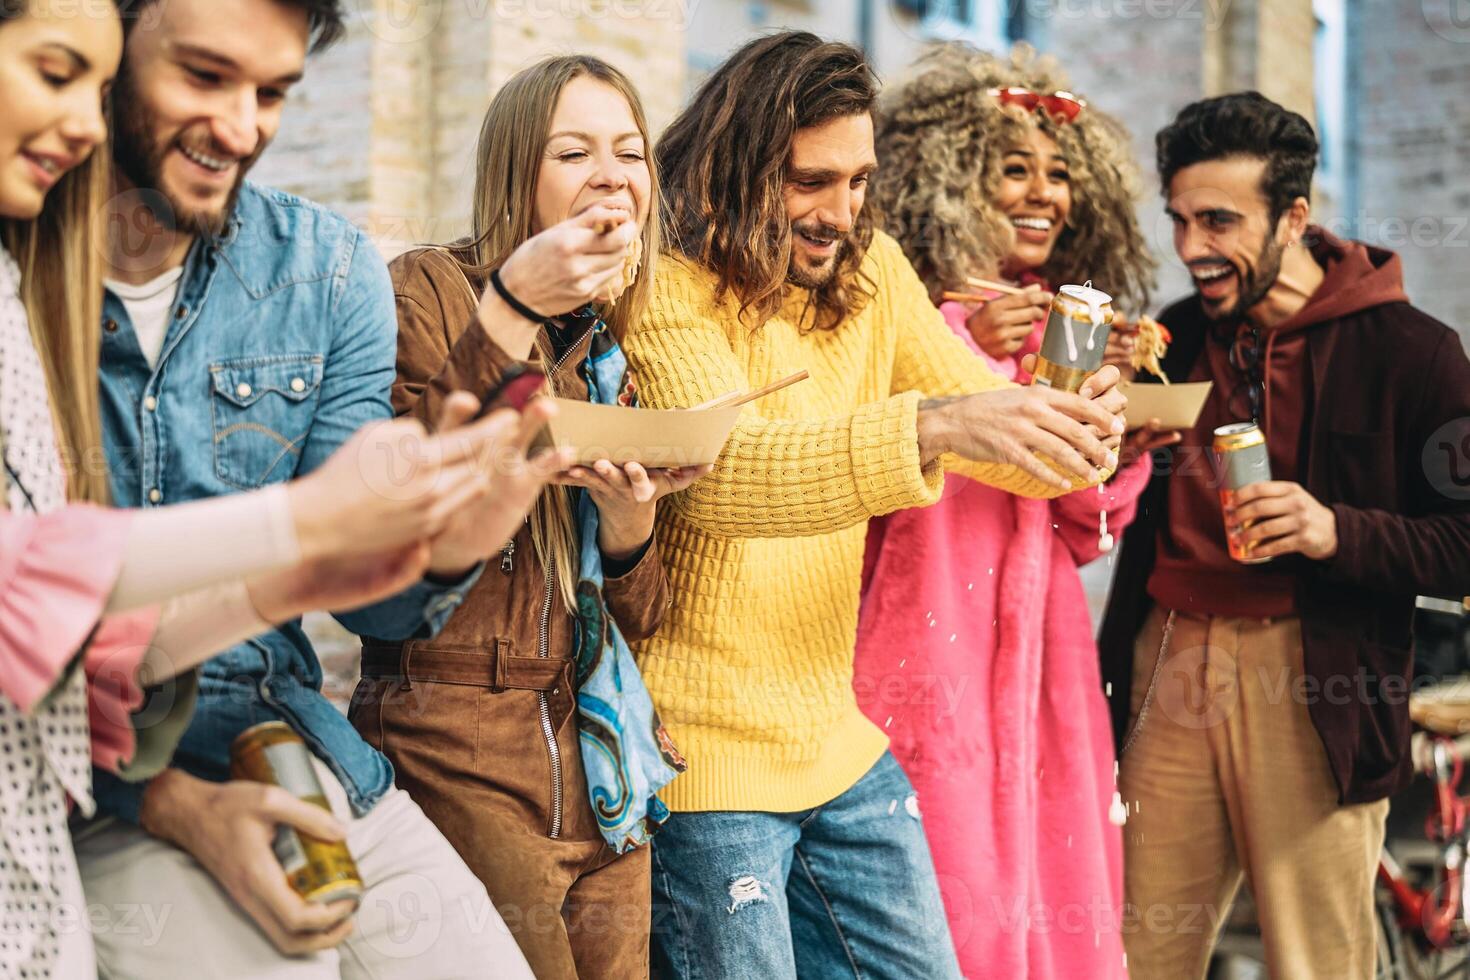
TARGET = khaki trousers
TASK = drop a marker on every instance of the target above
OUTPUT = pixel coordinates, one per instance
(157, 914)
(1228, 777)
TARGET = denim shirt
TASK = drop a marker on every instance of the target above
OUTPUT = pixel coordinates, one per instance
(281, 346)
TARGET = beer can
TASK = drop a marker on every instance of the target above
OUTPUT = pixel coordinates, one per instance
(1240, 459)
(1076, 335)
(317, 870)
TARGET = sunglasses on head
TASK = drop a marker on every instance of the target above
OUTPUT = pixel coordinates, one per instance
(1062, 106)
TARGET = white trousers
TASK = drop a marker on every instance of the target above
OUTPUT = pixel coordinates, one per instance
(155, 914)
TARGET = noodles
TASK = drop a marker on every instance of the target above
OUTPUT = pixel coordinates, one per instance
(631, 263)
(1151, 343)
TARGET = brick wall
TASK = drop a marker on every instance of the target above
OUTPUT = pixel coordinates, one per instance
(1412, 146)
(384, 127)
(1142, 63)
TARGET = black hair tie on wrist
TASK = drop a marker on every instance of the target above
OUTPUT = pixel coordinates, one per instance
(512, 302)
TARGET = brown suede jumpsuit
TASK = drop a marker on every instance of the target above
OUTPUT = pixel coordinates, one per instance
(480, 722)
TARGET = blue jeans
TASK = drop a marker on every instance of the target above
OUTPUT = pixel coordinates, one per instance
(843, 890)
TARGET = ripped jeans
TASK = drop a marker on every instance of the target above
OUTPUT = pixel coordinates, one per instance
(845, 890)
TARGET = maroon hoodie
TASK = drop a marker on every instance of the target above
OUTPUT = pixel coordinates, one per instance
(1194, 572)
(1378, 391)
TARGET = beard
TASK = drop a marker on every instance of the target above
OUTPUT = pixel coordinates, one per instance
(1256, 283)
(139, 154)
(814, 276)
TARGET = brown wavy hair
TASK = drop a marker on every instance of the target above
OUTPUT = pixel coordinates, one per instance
(940, 139)
(723, 165)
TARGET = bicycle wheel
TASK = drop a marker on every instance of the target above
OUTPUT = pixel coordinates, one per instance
(1391, 963)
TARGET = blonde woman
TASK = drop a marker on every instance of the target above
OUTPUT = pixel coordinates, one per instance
(524, 730)
(79, 583)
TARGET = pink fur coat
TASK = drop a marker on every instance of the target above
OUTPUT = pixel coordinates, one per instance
(975, 653)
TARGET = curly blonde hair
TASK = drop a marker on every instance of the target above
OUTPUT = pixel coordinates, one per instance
(940, 140)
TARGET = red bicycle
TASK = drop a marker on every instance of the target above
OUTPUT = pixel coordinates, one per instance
(1424, 892)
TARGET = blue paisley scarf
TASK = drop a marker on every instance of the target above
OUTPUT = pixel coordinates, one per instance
(627, 754)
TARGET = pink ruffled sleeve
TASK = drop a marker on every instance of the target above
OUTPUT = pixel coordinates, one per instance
(56, 573)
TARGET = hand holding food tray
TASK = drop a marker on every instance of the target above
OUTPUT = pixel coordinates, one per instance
(653, 438)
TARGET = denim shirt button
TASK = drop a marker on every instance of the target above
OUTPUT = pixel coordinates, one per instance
(298, 384)
(155, 495)
(150, 403)
(243, 390)
(181, 312)
(110, 325)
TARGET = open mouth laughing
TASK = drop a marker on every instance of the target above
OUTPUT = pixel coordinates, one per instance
(1213, 280)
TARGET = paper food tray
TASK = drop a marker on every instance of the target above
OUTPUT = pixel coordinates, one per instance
(1177, 406)
(654, 438)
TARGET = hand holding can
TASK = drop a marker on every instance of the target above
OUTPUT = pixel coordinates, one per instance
(319, 871)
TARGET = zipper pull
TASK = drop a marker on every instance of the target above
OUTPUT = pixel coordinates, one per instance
(507, 557)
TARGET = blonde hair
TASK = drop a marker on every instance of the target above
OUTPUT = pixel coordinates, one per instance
(508, 160)
(941, 137)
(60, 255)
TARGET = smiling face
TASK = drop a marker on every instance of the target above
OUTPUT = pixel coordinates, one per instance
(200, 97)
(594, 154)
(1035, 193)
(825, 186)
(55, 69)
(1224, 234)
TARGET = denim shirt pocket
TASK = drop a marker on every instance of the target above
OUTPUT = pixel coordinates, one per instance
(262, 409)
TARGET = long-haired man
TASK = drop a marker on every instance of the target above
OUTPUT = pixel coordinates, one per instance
(795, 845)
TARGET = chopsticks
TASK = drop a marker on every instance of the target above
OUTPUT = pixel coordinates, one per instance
(988, 284)
(737, 398)
(995, 287)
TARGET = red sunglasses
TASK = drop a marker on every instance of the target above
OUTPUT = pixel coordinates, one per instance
(1063, 106)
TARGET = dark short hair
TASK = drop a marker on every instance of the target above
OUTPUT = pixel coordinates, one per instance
(1243, 124)
(325, 19)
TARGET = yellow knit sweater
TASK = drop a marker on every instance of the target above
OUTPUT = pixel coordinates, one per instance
(752, 670)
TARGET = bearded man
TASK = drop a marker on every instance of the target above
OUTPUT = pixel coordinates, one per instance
(795, 845)
(1270, 700)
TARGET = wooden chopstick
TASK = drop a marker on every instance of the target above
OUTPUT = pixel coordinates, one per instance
(737, 398)
(998, 287)
(966, 297)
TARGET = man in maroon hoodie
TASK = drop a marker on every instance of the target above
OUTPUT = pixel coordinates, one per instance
(1261, 709)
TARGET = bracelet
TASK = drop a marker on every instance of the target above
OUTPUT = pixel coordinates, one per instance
(512, 302)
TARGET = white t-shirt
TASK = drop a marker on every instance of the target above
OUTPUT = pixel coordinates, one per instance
(150, 306)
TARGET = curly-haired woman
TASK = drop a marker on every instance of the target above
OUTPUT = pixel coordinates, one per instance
(975, 646)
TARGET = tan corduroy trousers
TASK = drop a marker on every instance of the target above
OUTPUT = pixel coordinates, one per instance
(1227, 777)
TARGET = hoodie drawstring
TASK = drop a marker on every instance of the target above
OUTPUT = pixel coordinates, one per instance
(1266, 382)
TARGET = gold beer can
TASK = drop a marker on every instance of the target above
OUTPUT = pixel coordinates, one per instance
(1076, 335)
(317, 870)
(1240, 459)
